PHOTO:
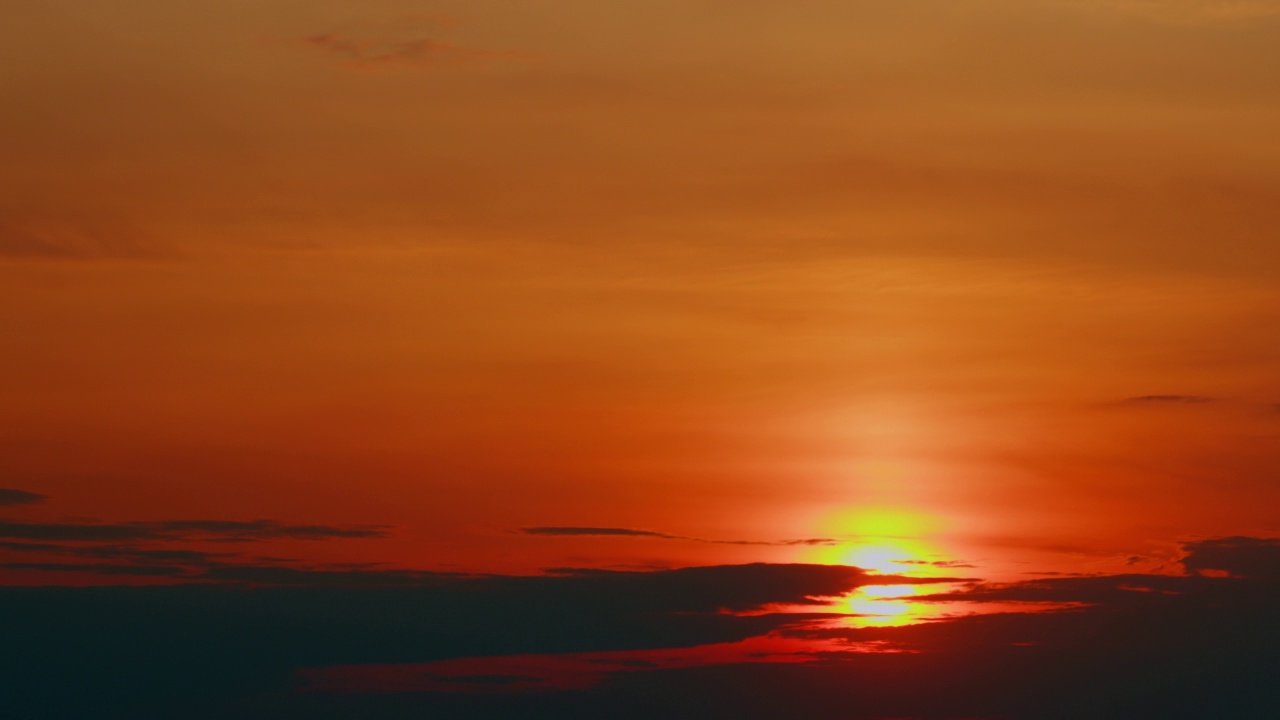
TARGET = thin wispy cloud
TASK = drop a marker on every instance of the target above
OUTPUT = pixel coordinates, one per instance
(574, 531)
(12, 496)
(1168, 400)
(938, 563)
(82, 238)
(102, 550)
(207, 530)
(409, 50)
(1180, 10)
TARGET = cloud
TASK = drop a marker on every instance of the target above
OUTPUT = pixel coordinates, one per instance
(1168, 400)
(800, 541)
(670, 643)
(287, 576)
(1181, 10)
(20, 242)
(408, 52)
(713, 589)
(597, 531)
(123, 560)
(100, 569)
(574, 531)
(1144, 646)
(112, 552)
(192, 565)
(26, 236)
(10, 496)
(563, 671)
(143, 549)
(208, 530)
(30, 547)
(175, 645)
(139, 550)
(1098, 589)
(937, 563)
(263, 530)
(1244, 557)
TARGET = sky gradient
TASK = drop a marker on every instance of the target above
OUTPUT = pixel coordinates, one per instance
(431, 298)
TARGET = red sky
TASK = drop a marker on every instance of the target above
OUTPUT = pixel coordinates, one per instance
(999, 277)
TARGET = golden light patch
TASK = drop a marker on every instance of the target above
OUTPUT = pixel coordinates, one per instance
(883, 540)
(887, 606)
(890, 556)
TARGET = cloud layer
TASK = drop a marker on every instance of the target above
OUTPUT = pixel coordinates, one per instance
(575, 531)
(1133, 646)
(214, 530)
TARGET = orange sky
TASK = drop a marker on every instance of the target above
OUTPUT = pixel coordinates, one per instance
(722, 271)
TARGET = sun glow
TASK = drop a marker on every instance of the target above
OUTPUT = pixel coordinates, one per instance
(890, 591)
(884, 556)
(887, 606)
(891, 542)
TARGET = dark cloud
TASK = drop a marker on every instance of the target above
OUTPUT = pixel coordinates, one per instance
(196, 566)
(1169, 400)
(233, 638)
(801, 541)
(113, 552)
(574, 531)
(722, 588)
(100, 569)
(1071, 589)
(937, 563)
(495, 679)
(147, 554)
(264, 530)
(1181, 648)
(1244, 557)
(142, 549)
(125, 647)
(30, 547)
(10, 496)
(1133, 646)
(293, 576)
(208, 530)
(74, 531)
(116, 561)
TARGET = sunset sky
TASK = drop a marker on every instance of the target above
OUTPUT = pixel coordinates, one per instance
(513, 299)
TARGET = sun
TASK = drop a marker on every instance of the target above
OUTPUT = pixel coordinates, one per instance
(895, 546)
(889, 557)
(889, 541)
(886, 606)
